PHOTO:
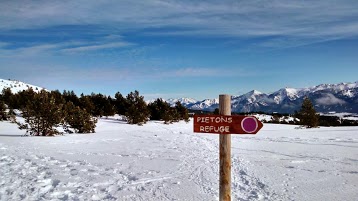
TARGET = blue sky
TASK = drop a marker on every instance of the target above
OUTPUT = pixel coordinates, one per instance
(172, 49)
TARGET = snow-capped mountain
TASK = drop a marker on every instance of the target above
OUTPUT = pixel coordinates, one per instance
(184, 101)
(286, 93)
(207, 104)
(342, 97)
(17, 86)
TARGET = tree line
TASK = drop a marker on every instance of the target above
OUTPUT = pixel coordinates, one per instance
(308, 117)
(46, 110)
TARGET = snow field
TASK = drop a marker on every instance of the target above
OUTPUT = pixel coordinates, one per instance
(170, 162)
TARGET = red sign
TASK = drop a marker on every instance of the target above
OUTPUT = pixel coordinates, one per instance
(226, 124)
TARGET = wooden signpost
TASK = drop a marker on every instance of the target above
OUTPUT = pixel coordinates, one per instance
(225, 125)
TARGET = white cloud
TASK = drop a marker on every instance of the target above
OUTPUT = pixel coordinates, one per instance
(329, 99)
(41, 49)
(97, 47)
(199, 72)
(305, 20)
(97, 74)
(37, 49)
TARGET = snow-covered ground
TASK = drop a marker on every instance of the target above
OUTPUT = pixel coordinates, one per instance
(268, 118)
(343, 115)
(170, 162)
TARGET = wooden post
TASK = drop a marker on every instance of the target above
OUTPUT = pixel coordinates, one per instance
(225, 152)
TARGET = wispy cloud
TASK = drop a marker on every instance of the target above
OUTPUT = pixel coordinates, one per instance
(70, 46)
(67, 73)
(190, 72)
(97, 47)
(28, 51)
(295, 19)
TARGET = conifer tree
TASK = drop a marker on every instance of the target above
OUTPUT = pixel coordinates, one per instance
(41, 114)
(120, 104)
(78, 119)
(71, 96)
(23, 97)
(216, 111)
(56, 94)
(182, 112)
(307, 114)
(108, 107)
(137, 111)
(7, 96)
(3, 114)
(87, 104)
(100, 102)
(159, 110)
(174, 115)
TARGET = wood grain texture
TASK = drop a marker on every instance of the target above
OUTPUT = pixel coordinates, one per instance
(225, 153)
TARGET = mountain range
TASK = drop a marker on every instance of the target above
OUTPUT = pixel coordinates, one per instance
(342, 97)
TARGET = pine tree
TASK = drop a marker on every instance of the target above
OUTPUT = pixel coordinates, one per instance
(137, 111)
(41, 114)
(108, 107)
(174, 115)
(120, 104)
(3, 113)
(182, 112)
(23, 97)
(216, 111)
(100, 102)
(78, 119)
(71, 96)
(87, 104)
(7, 96)
(159, 110)
(307, 114)
(56, 94)
(67, 112)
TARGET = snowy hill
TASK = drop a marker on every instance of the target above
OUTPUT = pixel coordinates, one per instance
(17, 86)
(342, 97)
